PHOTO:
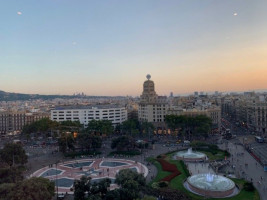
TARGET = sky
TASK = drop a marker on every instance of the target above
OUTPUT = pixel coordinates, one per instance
(108, 47)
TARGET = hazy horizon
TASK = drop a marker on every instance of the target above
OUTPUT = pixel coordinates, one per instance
(106, 48)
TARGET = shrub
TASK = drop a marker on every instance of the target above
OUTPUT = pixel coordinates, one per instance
(248, 186)
(162, 184)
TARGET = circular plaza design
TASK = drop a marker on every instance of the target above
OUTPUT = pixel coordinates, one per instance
(64, 173)
(190, 155)
(211, 185)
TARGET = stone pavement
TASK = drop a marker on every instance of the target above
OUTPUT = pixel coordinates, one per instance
(245, 166)
(199, 168)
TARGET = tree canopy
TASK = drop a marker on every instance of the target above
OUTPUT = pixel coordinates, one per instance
(13, 154)
(130, 183)
(42, 125)
(123, 143)
(199, 125)
(102, 127)
(32, 189)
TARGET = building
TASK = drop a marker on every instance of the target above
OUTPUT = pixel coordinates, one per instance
(13, 122)
(114, 113)
(152, 108)
(248, 110)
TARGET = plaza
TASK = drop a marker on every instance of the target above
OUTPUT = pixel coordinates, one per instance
(64, 173)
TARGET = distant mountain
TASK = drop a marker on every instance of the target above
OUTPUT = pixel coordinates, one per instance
(8, 96)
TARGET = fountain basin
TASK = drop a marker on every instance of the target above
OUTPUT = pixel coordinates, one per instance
(211, 185)
(190, 155)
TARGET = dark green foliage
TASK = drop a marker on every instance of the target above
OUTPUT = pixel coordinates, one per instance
(32, 189)
(89, 141)
(126, 175)
(66, 142)
(101, 127)
(81, 187)
(190, 125)
(123, 143)
(248, 186)
(184, 168)
(130, 183)
(113, 195)
(146, 127)
(162, 184)
(43, 125)
(13, 154)
(84, 188)
(5, 190)
(68, 123)
(10, 175)
(130, 126)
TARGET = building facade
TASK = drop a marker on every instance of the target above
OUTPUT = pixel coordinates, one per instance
(248, 110)
(84, 114)
(152, 108)
(13, 122)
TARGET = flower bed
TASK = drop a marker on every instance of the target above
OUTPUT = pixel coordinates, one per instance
(166, 166)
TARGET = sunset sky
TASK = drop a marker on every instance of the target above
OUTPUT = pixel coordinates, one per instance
(108, 47)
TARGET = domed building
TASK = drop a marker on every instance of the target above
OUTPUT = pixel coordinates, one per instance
(152, 108)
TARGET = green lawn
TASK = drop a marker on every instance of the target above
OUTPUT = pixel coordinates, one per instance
(177, 183)
(161, 174)
(218, 156)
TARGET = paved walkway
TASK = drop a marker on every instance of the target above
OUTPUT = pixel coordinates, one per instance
(245, 166)
(199, 168)
(66, 172)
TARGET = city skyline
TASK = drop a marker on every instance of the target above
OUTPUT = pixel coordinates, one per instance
(108, 47)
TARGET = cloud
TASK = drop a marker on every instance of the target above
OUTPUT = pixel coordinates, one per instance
(235, 14)
(19, 13)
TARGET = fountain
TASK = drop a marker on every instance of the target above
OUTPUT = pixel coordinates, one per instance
(189, 155)
(209, 177)
(211, 185)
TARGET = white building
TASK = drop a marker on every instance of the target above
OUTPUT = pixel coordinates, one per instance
(114, 113)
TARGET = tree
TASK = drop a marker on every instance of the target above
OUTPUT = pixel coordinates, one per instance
(40, 126)
(123, 143)
(95, 191)
(10, 175)
(81, 187)
(129, 126)
(126, 174)
(66, 141)
(32, 189)
(89, 141)
(130, 183)
(100, 189)
(13, 154)
(5, 190)
(197, 125)
(102, 127)
(146, 127)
